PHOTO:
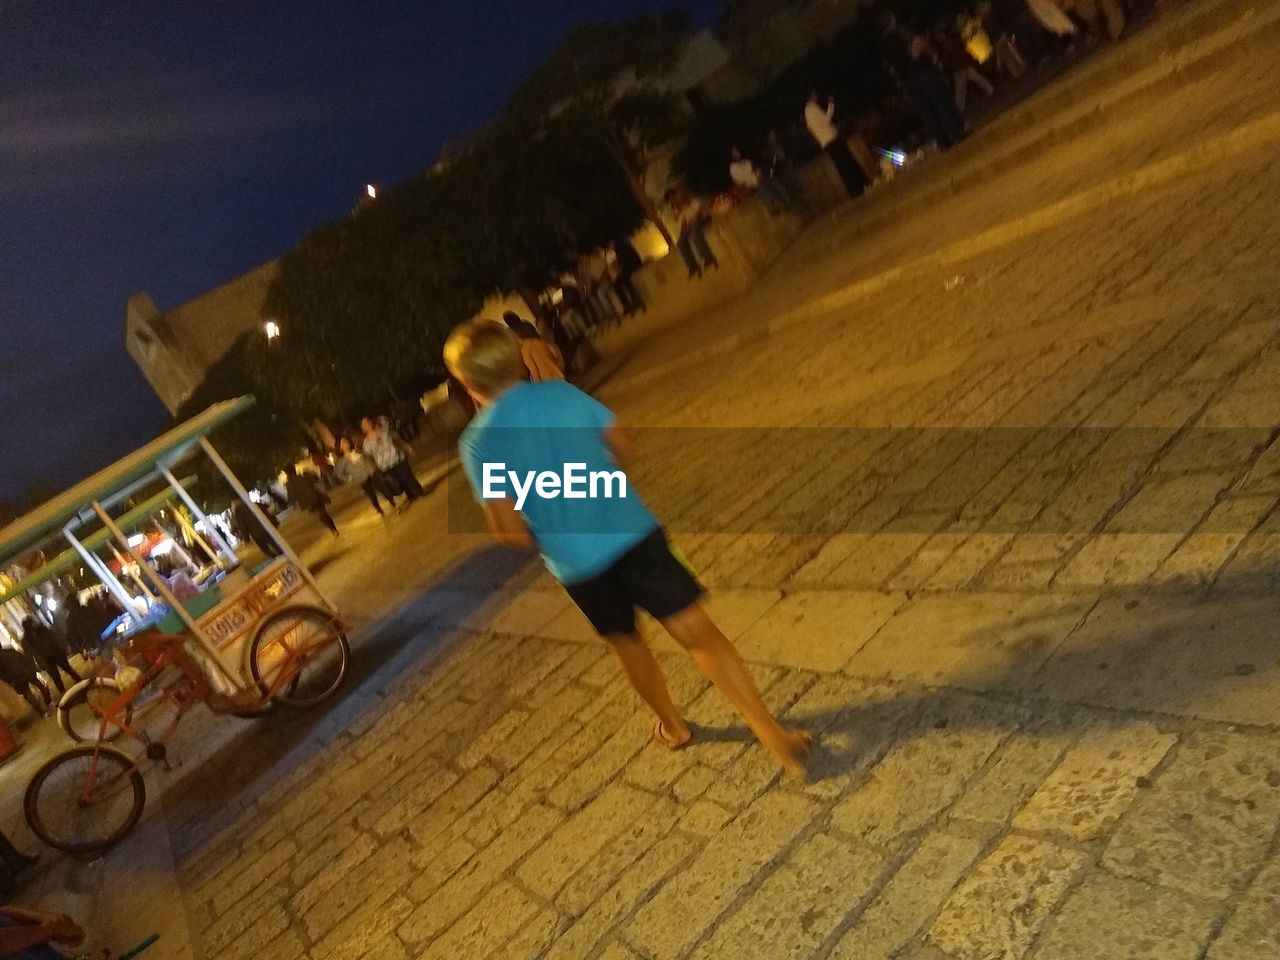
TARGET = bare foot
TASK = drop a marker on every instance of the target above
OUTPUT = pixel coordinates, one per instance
(671, 739)
(791, 750)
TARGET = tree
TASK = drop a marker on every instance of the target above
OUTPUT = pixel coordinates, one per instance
(366, 304)
(536, 199)
(605, 74)
(255, 444)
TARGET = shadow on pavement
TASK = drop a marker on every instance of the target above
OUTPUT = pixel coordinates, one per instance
(246, 759)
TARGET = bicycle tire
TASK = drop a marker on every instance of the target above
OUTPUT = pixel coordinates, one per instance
(131, 787)
(295, 693)
(78, 696)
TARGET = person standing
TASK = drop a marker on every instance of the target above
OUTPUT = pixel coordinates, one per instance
(18, 671)
(390, 455)
(986, 22)
(820, 121)
(354, 468)
(692, 245)
(610, 553)
(629, 263)
(542, 360)
(907, 58)
(249, 527)
(47, 650)
(958, 62)
(608, 306)
(304, 493)
(573, 308)
(586, 285)
(81, 630)
(747, 177)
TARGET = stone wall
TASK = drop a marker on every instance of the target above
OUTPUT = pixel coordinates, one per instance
(208, 326)
(746, 239)
(176, 348)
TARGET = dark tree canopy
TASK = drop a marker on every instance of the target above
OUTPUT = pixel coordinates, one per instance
(587, 66)
(608, 75)
(256, 443)
(366, 304)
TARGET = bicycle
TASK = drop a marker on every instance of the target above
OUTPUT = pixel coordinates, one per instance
(88, 798)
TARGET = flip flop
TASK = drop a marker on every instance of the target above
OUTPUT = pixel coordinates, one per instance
(660, 735)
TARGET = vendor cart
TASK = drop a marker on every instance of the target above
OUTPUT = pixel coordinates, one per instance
(234, 635)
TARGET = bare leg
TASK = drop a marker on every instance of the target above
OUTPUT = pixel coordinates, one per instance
(718, 659)
(646, 676)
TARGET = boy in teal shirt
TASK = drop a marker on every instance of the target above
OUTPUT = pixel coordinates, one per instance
(546, 462)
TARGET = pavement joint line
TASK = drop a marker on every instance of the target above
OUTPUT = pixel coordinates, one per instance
(1257, 526)
(1238, 894)
(1152, 468)
(1101, 378)
(1016, 697)
(1126, 497)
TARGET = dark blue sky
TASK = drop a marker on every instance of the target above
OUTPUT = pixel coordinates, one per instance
(169, 146)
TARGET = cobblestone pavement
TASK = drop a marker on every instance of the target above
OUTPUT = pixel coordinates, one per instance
(998, 526)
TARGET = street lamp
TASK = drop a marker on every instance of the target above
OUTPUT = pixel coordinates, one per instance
(271, 329)
(371, 191)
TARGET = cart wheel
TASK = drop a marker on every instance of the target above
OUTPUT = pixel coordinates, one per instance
(81, 708)
(299, 656)
(85, 800)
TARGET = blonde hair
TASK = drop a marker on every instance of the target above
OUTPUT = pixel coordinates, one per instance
(484, 354)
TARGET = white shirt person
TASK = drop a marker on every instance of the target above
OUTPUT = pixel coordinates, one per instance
(821, 121)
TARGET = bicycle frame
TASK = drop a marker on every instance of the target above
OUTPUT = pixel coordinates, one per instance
(130, 701)
(123, 712)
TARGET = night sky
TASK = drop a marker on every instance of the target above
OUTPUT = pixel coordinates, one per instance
(170, 146)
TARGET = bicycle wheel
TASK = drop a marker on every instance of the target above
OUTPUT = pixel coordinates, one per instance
(85, 800)
(80, 711)
(299, 656)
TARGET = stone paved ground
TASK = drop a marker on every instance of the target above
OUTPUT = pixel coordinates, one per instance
(504, 801)
(994, 516)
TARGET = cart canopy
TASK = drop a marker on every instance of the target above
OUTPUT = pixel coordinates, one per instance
(116, 482)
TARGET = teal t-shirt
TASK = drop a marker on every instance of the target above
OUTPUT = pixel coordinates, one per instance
(542, 446)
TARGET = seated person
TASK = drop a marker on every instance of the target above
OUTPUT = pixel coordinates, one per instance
(178, 581)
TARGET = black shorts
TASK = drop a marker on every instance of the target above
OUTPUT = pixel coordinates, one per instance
(647, 576)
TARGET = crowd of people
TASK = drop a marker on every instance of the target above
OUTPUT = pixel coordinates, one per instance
(934, 67)
(38, 668)
(376, 458)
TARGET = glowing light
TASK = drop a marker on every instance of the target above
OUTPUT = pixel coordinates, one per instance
(137, 540)
(271, 329)
(371, 190)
